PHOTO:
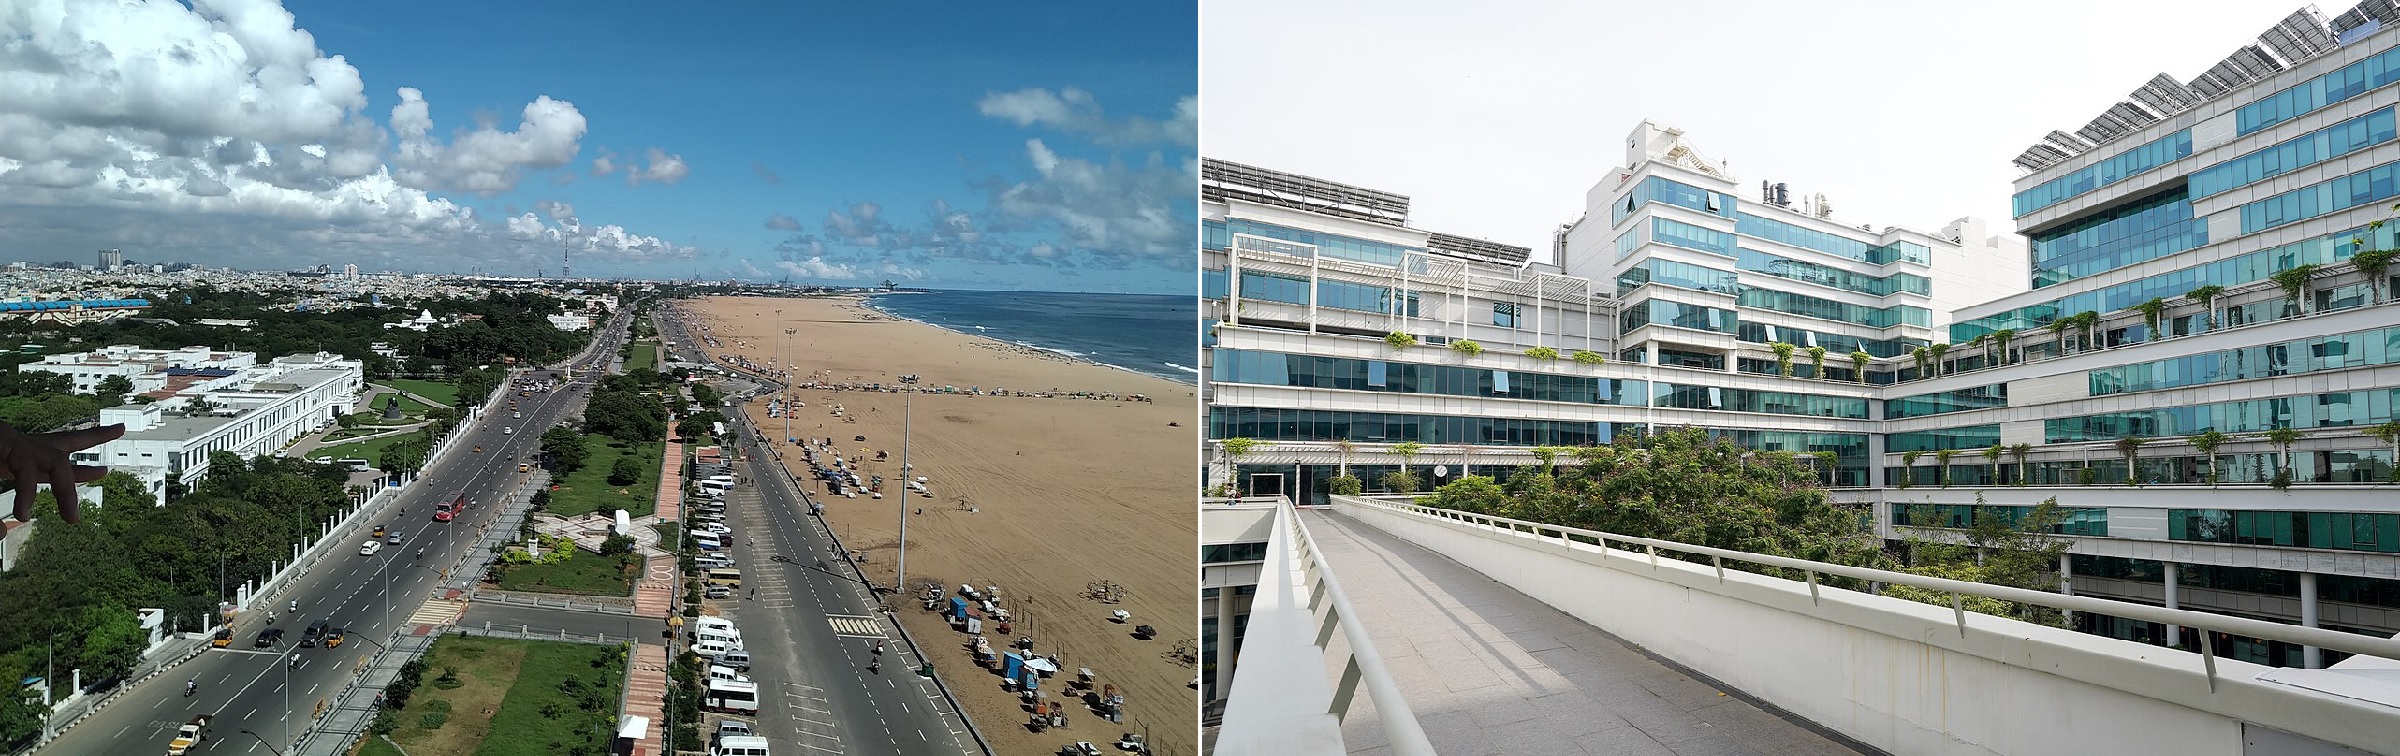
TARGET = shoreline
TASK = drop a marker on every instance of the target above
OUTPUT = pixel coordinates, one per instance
(1190, 378)
(1044, 498)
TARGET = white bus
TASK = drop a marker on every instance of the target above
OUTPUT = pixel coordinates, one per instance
(731, 695)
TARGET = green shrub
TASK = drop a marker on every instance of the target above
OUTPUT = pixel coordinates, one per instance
(433, 720)
(1542, 353)
(1345, 485)
(1589, 357)
(1400, 340)
(1466, 347)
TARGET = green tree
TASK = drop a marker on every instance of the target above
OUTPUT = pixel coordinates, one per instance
(2388, 432)
(2002, 339)
(1992, 456)
(114, 642)
(114, 388)
(406, 455)
(1783, 357)
(2206, 296)
(1995, 548)
(1472, 493)
(2131, 447)
(2207, 442)
(1816, 357)
(1908, 467)
(2294, 282)
(565, 448)
(1937, 351)
(2020, 451)
(2377, 265)
(2283, 439)
(625, 472)
(1403, 480)
(20, 719)
(1942, 457)
(1858, 364)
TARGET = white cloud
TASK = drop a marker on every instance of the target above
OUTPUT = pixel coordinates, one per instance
(1075, 111)
(817, 267)
(781, 222)
(219, 133)
(663, 168)
(486, 160)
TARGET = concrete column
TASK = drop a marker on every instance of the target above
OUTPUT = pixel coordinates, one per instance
(2314, 656)
(2174, 582)
(2066, 580)
(1225, 648)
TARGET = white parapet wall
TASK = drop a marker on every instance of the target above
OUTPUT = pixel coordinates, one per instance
(1900, 675)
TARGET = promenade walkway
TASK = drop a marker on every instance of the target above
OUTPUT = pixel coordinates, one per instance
(646, 696)
(654, 594)
(1490, 670)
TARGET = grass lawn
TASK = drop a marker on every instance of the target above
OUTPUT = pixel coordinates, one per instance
(375, 418)
(587, 489)
(511, 688)
(669, 534)
(434, 390)
(587, 574)
(644, 355)
(370, 450)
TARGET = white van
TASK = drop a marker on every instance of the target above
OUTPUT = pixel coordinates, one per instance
(731, 695)
(739, 745)
(735, 658)
(712, 650)
(722, 672)
(719, 624)
(724, 638)
(715, 487)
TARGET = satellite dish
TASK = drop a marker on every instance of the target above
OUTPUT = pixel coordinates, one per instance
(1441, 471)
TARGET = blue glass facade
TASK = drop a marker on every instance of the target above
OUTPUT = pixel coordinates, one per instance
(1277, 424)
(1837, 346)
(2146, 229)
(1688, 236)
(2307, 202)
(2296, 153)
(1346, 374)
(1332, 294)
(2345, 531)
(1831, 277)
(1831, 243)
(1819, 307)
(1943, 402)
(1683, 396)
(1677, 314)
(1655, 189)
(2357, 349)
(1218, 235)
(2082, 521)
(2306, 97)
(1966, 437)
(1674, 273)
(2233, 271)
(2118, 167)
(2300, 412)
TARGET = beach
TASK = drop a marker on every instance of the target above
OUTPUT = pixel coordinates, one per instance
(1063, 483)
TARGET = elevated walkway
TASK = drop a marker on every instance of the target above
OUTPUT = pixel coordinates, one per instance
(1490, 670)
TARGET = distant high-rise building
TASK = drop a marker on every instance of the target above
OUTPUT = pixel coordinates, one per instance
(110, 259)
(350, 271)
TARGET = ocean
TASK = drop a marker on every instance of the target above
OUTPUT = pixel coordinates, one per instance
(1151, 334)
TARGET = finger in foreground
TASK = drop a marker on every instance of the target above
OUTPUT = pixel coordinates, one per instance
(28, 489)
(89, 473)
(62, 488)
(79, 440)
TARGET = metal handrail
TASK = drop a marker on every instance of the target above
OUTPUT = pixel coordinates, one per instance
(1400, 727)
(2304, 636)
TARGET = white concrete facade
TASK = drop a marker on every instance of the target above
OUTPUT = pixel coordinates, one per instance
(260, 409)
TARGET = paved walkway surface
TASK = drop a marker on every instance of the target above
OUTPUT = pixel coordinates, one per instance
(654, 594)
(646, 694)
(1489, 670)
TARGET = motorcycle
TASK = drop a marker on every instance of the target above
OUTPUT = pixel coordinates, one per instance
(191, 686)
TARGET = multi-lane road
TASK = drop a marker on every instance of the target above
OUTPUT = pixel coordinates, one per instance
(812, 626)
(274, 692)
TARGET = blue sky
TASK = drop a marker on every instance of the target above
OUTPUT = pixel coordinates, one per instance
(966, 145)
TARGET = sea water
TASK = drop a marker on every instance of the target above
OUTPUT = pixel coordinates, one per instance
(1152, 334)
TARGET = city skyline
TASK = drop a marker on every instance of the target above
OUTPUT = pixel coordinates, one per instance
(373, 138)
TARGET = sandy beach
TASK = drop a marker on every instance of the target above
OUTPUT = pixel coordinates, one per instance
(1044, 496)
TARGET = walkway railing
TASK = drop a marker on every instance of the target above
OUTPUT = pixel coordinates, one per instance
(2386, 648)
(1279, 703)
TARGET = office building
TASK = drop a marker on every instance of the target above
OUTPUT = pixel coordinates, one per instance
(2209, 233)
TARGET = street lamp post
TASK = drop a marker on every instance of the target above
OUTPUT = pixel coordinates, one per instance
(788, 372)
(900, 576)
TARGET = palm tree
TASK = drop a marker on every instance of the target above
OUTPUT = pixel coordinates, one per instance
(2058, 329)
(1783, 357)
(1943, 457)
(1345, 447)
(2131, 447)
(1908, 467)
(2089, 321)
(2389, 433)
(1858, 364)
(2002, 338)
(1924, 357)
(2021, 451)
(2151, 312)
(1938, 351)
(2295, 284)
(2208, 295)
(1992, 455)
(2207, 442)
(1978, 342)
(2377, 264)
(2282, 438)
(1407, 450)
(1816, 355)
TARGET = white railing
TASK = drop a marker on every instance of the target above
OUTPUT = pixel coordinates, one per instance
(2386, 648)
(1295, 582)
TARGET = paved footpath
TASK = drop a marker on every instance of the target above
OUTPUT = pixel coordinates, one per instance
(646, 695)
(654, 595)
(1489, 670)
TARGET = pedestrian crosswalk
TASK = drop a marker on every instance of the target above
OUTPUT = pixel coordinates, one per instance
(855, 626)
(438, 612)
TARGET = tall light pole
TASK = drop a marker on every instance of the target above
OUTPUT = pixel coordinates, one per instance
(788, 372)
(900, 578)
